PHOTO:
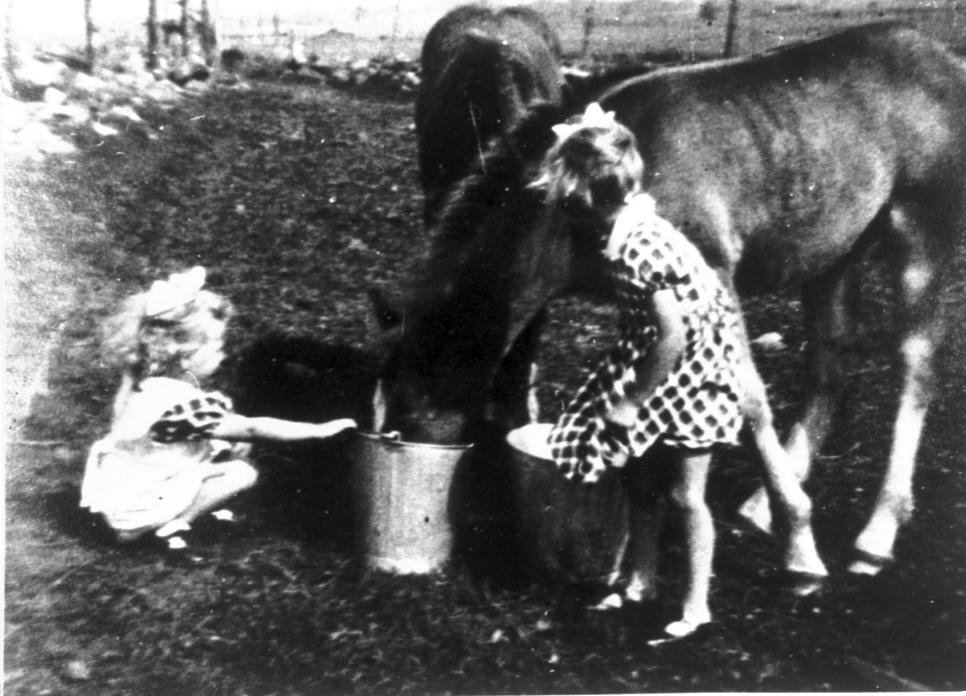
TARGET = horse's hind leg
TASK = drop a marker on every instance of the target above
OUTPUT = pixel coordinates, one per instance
(829, 304)
(921, 329)
(782, 481)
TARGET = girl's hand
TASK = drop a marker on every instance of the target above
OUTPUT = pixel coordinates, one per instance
(618, 441)
(241, 428)
(336, 426)
(624, 413)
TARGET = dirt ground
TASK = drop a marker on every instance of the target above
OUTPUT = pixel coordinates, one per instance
(298, 198)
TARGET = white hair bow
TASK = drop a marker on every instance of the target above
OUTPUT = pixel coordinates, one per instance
(593, 116)
(175, 295)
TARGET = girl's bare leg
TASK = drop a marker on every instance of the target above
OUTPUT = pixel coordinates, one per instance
(688, 495)
(224, 481)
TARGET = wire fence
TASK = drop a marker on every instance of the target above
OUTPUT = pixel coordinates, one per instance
(591, 28)
(588, 28)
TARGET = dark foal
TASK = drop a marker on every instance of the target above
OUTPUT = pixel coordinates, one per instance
(783, 169)
(481, 69)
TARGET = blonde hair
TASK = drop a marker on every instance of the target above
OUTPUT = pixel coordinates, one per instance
(594, 162)
(176, 318)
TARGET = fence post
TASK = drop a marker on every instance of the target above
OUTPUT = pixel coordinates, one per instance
(10, 49)
(589, 21)
(731, 28)
(89, 30)
(152, 61)
(185, 30)
(395, 28)
(209, 34)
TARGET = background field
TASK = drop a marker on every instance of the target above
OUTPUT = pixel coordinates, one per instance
(298, 198)
(669, 29)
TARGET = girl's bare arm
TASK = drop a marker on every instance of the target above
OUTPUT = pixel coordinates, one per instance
(665, 311)
(241, 428)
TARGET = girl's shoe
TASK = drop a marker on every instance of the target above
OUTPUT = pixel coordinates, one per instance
(175, 526)
(613, 601)
(677, 630)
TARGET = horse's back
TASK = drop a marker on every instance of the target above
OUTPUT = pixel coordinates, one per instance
(793, 153)
(865, 68)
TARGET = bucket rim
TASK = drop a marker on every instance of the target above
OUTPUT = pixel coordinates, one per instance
(517, 439)
(388, 439)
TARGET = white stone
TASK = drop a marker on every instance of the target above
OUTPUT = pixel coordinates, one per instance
(54, 96)
(124, 113)
(74, 113)
(87, 84)
(39, 74)
(103, 130)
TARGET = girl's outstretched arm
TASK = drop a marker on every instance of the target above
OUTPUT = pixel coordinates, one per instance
(242, 428)
(666, 313)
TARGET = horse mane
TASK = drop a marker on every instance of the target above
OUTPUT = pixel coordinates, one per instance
(498, 177)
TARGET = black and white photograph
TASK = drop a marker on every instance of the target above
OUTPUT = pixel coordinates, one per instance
(457, 347)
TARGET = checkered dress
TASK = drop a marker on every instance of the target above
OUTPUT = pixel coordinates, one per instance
(697, 405)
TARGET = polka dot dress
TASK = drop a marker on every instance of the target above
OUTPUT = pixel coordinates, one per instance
(697, 404)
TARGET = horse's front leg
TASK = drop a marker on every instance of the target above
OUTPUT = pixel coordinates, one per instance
(647, 492)
(922, 328)
(829, 305)
(513, 400)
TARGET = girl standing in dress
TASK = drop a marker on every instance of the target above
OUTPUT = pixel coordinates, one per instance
(680, 375)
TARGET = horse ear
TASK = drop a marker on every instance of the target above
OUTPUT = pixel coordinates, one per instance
(578, 88)
(533, 135)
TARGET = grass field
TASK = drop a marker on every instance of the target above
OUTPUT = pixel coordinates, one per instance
(655, 29)
(298, 198)
(663, 28)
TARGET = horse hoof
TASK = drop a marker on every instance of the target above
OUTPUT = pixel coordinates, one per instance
(803, 584)
(609, 603)
(869, 563)
(640, 594)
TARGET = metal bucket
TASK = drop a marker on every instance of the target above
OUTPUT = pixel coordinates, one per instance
(570, 531)
(402, 502)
